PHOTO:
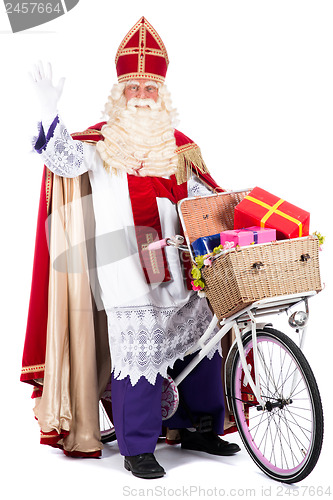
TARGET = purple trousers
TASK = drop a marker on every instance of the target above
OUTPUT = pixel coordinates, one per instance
(137, 409)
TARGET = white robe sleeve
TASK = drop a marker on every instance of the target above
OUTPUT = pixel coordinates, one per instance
(63, 155)
(195, 187)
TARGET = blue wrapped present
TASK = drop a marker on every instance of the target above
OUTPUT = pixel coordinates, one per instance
(206, 244)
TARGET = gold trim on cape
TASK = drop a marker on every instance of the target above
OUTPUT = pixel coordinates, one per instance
(32, 368)
(189, 159)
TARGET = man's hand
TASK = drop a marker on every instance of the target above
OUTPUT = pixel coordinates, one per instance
(47, 93)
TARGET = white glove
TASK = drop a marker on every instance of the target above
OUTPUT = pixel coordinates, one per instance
(47, 93)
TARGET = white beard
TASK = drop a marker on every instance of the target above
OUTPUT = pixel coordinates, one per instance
(140, 140)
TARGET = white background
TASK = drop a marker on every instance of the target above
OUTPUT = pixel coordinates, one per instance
(253, 84)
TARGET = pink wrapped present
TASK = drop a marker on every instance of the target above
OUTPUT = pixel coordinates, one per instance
(247, 236)
(236, 237)
(262, 234)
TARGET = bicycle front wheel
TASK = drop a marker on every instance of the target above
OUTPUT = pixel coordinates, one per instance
(284, 437)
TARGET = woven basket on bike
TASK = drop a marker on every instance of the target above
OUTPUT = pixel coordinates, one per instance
(243, 275)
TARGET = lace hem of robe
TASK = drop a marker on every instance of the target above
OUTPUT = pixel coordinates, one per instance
(147, 340)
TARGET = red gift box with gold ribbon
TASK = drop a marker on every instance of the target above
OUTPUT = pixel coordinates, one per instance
(261, 208)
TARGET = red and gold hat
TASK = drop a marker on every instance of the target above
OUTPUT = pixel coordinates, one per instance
(142, 54)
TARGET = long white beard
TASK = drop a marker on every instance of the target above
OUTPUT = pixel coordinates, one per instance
(140, 140)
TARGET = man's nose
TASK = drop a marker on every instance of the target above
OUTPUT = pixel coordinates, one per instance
(141, 93)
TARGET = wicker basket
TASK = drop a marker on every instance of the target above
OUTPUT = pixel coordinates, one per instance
(244, 275)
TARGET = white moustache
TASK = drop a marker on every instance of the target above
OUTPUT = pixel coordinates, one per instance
(136, 102)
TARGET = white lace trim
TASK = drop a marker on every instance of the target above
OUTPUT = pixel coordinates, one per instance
(62, 154)
(147, 340)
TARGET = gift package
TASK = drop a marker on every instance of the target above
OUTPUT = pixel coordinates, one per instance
(206, 244)
(247, 236)
(236, 237)
(261, 208)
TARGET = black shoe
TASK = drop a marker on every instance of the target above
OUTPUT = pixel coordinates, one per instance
(144, 465)
(209, 442)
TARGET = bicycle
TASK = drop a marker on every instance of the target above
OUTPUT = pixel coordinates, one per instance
(269, 385)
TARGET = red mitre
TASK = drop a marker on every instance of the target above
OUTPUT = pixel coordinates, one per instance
(142, 54)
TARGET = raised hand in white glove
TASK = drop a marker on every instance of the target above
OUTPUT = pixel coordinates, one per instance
(47, 93)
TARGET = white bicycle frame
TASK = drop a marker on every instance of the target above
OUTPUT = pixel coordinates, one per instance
(243, 321)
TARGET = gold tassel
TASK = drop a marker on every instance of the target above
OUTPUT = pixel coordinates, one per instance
(189, 159)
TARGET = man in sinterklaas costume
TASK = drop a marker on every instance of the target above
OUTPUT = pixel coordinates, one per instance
(101, 304)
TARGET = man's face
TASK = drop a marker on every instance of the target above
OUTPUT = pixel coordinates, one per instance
(141, 89)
